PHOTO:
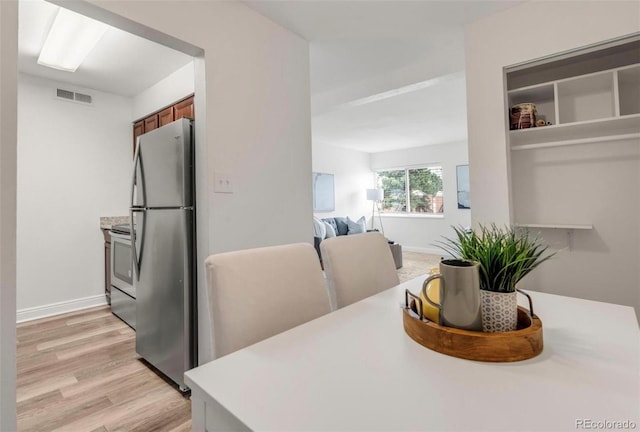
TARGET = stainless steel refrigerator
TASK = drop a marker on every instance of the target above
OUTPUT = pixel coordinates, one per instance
(163, 249)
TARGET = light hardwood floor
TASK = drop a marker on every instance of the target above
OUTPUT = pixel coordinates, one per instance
(416, 264)
(80, 372)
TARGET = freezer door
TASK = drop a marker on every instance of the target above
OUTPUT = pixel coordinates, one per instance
(163, 167)
(165, 303)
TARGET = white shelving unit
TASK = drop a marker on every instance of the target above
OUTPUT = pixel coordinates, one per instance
(568, 228)
(629, 90)
(543, 95)
(596, 107)
(583, 132)
(560, 174)
(555, 226)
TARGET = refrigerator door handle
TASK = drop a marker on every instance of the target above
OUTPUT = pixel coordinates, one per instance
(137, 161)
(137, 257)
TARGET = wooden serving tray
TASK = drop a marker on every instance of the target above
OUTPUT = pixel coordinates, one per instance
(521, 344)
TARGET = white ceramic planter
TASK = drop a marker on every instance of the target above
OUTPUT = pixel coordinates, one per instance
(499, 311)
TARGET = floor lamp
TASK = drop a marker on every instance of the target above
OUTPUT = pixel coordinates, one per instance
(375, 195)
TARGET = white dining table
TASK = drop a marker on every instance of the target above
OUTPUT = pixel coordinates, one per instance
(356, 369)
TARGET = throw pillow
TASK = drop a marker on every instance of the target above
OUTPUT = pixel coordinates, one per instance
(330, 231)
(356, 227)
(341, 223)
(332, 222)
(319, 228)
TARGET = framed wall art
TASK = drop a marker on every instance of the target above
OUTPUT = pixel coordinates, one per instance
(464, 193)
(323, 192)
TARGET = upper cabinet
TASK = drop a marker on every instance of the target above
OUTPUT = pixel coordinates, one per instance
(151, 123)
(176, 111)
(184, 109)
(166, 116)
(581, 99)
(138, 129)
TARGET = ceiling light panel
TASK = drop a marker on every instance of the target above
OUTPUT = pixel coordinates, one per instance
(70, 40)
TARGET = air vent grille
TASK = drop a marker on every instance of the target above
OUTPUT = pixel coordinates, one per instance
(73, 96)
(65, 94)
(83, 98)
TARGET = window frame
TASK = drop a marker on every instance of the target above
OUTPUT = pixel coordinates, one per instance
(407, 190)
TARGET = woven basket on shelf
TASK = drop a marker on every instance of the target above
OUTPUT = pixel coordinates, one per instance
(523, 116)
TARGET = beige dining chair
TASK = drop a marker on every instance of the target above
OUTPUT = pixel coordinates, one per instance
(357, 266)
(257, 293)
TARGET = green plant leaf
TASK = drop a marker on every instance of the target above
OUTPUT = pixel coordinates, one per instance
(505, 255)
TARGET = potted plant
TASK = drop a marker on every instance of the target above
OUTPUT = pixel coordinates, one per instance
(505, 256)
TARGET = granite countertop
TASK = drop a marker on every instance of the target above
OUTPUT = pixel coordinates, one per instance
(109, 221)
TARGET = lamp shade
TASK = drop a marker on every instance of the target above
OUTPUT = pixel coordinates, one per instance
(375, 194)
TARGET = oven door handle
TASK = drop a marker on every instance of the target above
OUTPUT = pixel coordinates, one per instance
(137, 258)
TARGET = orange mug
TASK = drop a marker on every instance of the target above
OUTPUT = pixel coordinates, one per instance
(433, 291)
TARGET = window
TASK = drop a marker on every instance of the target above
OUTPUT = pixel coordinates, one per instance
(412, 190)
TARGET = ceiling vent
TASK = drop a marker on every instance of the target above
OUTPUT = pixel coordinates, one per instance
(64, 94)
(83, 98)
(73, 96)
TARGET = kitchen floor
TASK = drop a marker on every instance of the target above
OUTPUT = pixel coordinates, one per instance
(80, 372)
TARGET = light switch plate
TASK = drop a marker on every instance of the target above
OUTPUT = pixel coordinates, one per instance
(222, 183)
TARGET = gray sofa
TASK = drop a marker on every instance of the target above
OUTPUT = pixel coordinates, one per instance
(341, 227)
(339, 224)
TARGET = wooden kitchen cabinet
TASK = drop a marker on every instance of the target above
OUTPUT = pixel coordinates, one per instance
(176, 111)
(151, 123)
(138, 129)
(165, 116)
(184, 109)
(107, 264)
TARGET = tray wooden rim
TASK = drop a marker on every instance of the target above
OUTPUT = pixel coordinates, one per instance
(517, 345)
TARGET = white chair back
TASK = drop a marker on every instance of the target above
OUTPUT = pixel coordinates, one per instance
(357, 266)
(257, 293)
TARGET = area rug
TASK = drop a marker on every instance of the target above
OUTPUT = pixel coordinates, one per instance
(415, 264)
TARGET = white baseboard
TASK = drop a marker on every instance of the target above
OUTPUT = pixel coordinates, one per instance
(433, 250)
(32, 313)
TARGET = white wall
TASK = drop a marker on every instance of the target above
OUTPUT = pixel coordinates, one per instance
(490, 46)
(603, 262)
(165, 92)
(74, 166)
(256, 128)
(8, 89)
(352, 177)
(257, 120)
(417, 232)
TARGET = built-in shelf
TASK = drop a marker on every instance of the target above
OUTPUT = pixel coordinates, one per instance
(629, 82)
(568, 228)
(577, 141)
(564, 172)
(584, 132)
(543, 95)
(581, 109)
(556, 226)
